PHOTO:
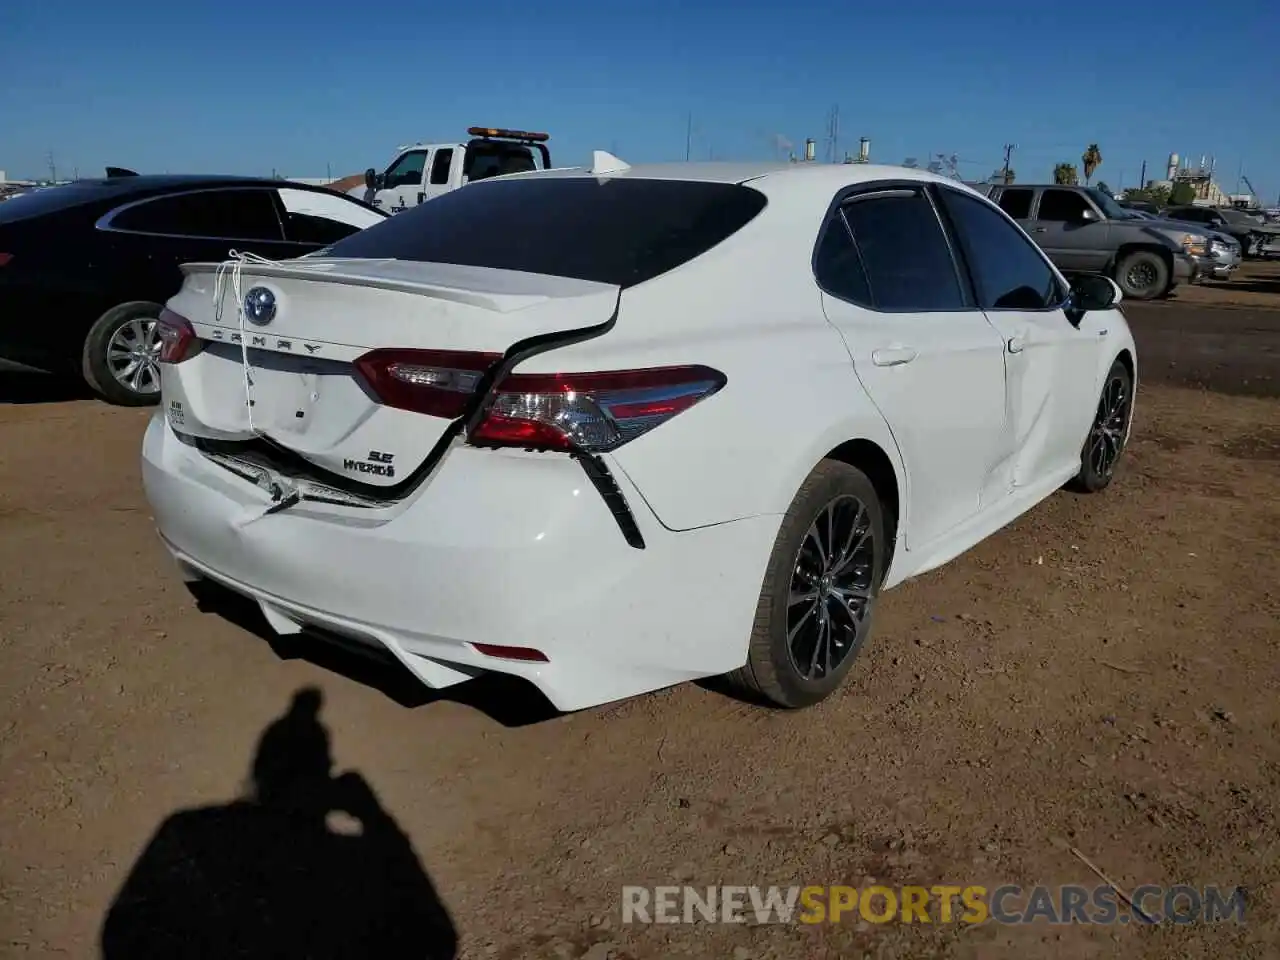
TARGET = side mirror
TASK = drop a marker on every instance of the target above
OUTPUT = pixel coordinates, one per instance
(1088, 216)
(1090, 291)
(371, 179)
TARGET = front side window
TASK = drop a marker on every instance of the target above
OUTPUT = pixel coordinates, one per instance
(1062, 206)
(904, 251)
(1007, 268)
(406, 171)
(213, 214)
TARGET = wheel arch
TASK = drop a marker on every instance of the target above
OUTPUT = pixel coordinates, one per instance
(869, 457)
(1140, 246)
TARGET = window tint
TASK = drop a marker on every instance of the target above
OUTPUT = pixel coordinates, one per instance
(222, 214)
(1062, 206)
(904, 252)
(1008, 270)
(837, 266)
(407, 171)
(1017, 203)
(440, 165)
(618, 231)
(489, 158)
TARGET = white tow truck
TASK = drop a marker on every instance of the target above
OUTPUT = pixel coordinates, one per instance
(421, 171)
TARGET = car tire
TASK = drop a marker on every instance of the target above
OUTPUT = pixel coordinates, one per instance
(1148, 266)
(787, 660)
(109, 348)
(1107, 434)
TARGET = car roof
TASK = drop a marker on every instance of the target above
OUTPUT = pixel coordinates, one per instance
(776, 176)
(115, 190)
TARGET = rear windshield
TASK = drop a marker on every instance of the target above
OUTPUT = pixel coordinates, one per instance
(616, 230)
(48, 199)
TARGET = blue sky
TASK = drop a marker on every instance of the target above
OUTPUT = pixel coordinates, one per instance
(305, 87)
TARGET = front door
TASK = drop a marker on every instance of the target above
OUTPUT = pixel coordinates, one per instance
(1050, 365)
(402, 183)
(1062, 230)
(924, 353)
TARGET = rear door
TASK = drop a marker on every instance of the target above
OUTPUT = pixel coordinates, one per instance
(440, 174)
(1050, 365)
(158, 234)
(922, 349)
(1071, 241)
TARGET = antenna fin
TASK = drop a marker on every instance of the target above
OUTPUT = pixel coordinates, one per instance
(604, 162)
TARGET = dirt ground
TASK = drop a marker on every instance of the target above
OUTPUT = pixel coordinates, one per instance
(1101, 675)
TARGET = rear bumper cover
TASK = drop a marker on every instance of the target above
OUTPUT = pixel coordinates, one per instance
(498, 547)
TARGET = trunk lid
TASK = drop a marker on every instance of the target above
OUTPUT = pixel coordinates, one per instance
(307, 396)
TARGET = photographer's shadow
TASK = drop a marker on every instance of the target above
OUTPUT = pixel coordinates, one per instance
(271, 875)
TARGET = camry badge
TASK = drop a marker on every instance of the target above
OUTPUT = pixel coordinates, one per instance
(260, 306)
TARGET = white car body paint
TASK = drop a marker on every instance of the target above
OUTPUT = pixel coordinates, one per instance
(508, 547)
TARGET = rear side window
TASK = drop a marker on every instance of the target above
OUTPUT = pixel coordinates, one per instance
(1062, 206)
(1016, 203)
(617, 231)
(440, 165)
(837, 266)
(216, 214)
(905, 253)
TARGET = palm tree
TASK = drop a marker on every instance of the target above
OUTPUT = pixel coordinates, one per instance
(1065, 173)
(1092, 159)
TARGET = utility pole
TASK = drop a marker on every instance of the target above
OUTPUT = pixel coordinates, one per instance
(1008, 154)
(833, 135)
(688, 137)
(1142, 177)
(53, 170)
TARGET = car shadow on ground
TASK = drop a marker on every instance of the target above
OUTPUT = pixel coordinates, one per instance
(1252, 285)
(508, 700)
(272, 875)
(18, 386)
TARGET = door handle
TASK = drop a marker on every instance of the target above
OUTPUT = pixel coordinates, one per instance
(1040, 230)
(892, 356)
(1016, 343)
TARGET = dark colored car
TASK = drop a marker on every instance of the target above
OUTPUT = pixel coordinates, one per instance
(85, 268)
(1248, 232)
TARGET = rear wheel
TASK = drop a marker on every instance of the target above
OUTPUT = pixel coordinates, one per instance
(121, 359)
(814, 612)
(1142, 275)
(1106, 440)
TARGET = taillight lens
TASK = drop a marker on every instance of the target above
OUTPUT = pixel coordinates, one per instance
(177, 337)
(593, 412)
(435, 382)
(5, 258)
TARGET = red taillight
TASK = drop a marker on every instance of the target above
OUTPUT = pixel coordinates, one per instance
(435, 382)
(593, 412)
(5, 258)
(177, 337)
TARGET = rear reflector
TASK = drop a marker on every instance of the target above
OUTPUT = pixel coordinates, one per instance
(435, 382)
(527, 654)
(178, 340)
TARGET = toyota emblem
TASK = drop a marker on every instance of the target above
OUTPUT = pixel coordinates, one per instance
(260, 306)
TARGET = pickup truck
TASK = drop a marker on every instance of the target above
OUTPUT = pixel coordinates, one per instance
(1085, 231)
(421, 171)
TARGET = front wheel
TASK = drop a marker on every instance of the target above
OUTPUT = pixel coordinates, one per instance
(121, 359)
(820, 587)
(1142, 275)
(1106, 440)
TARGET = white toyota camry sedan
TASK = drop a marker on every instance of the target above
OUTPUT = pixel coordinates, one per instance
(613, 428)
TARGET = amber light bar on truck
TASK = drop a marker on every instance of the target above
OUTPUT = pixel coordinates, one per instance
(508, 134)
